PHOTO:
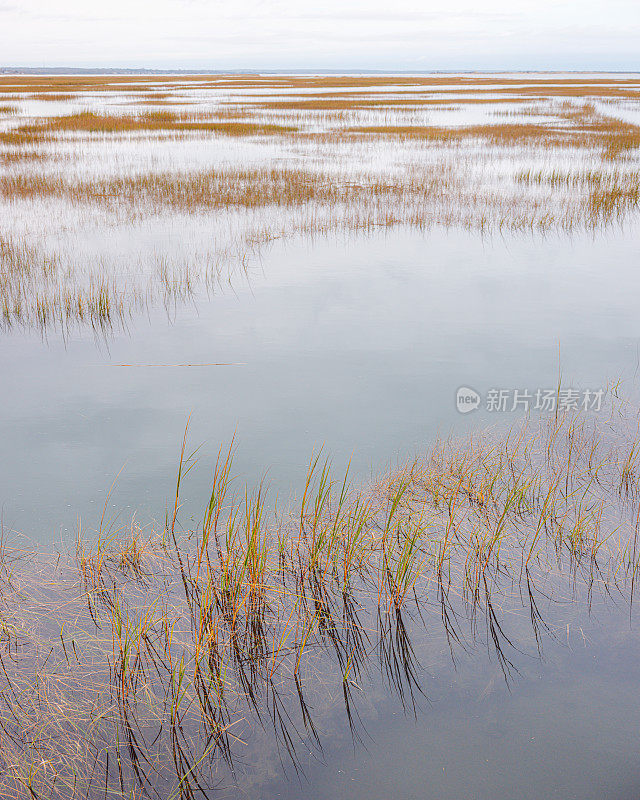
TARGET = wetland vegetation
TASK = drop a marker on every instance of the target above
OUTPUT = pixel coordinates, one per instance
(313, 157)
(146, 662)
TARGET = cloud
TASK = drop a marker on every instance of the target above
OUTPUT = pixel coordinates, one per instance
(332, 33)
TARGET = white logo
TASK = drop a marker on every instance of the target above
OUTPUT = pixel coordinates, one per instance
(467, 399)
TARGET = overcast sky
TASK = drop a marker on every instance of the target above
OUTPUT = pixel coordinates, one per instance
(332, 34)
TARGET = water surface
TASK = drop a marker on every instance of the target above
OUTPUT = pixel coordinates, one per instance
(357, 345)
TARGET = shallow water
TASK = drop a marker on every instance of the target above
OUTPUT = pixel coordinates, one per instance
(358, 345)
(565, 727)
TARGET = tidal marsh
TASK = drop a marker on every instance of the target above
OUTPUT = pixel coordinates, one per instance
(316, 264)
(317, 162)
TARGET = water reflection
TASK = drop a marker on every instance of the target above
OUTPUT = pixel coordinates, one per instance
(361, 349)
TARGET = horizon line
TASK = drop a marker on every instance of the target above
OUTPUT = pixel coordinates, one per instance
(12, 70)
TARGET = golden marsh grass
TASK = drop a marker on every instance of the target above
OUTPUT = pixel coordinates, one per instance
(91, 123)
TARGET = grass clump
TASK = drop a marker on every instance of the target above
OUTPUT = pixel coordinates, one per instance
(156, 654)
(153, 121)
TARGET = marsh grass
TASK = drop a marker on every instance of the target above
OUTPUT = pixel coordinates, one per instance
(50, 290)
(611, 194)
(355, 103)
(52, 97)
(417, 198)
(543, 86)
(21, 156)
(590, 131)
(32, 292)
(110, 124)
(405, 96)
(158, 652)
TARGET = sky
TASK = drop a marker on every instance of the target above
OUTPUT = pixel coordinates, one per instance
(326, 34)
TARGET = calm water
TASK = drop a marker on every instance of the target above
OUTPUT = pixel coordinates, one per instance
(556, 723)
(357, 345)
(564, 728)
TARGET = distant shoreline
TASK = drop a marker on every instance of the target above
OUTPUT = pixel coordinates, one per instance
(254, 71)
